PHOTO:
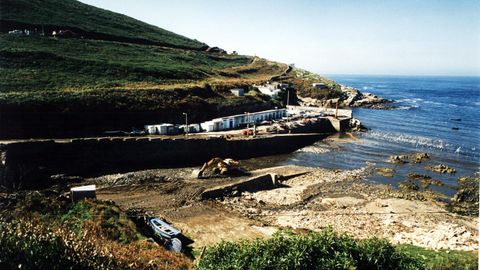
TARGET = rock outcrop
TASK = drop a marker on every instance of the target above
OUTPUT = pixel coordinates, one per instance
(425, 180)
(218, 167)
(465, 201)
(387, 172)
(355, 98)
(356, 125)
(441, 168)
(414, 158)
(351, 97)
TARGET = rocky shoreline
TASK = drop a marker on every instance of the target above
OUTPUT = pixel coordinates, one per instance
(345, 201)
(351, 97)
(303, 199)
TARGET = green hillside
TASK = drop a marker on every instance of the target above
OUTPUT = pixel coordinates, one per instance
(115, 73)
(88, 21)
(45, 63)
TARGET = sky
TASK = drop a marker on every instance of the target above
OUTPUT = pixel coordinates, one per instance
(424, 37)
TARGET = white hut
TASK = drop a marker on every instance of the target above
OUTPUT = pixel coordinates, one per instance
(82, 192)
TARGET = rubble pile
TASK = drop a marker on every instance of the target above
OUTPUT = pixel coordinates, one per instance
(218, 167)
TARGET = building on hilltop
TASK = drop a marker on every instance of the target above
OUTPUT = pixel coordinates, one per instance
(272, 88)
(239, 92)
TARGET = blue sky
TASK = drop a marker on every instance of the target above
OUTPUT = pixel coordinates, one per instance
(328, 37)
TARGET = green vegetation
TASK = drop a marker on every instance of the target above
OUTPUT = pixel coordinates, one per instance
(442, 259)
(302, 81)
(323, 250)
(44, 232)
(41, 64)
(329, 250)
(72, 14)
(117, 73)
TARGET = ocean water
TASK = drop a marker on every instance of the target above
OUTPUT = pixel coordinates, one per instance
(437, 115)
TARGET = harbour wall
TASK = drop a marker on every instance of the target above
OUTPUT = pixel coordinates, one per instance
(29, 165)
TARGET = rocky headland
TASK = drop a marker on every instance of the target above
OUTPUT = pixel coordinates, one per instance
(350, 97)
(355, 98)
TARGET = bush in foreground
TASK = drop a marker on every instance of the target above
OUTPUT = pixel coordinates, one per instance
(43, 232)
(322, 250)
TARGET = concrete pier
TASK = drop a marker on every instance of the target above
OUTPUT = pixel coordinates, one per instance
(30, 164)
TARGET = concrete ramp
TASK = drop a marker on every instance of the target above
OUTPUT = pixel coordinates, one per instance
(261, 182)
(268, 179)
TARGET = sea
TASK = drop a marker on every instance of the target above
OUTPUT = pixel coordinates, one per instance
(437, 115)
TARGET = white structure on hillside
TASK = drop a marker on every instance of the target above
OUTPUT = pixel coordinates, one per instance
(82, 192)
(272, 88)
(239, 92)
(235, 121)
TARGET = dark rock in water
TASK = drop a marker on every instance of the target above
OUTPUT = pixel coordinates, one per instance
(441, 168)
(416, 176)
(399, 159)
(356, 125)
(409, 185)
(419, 157)
(383, 106)
(435, 182)
(425, 180)
(387, 172)
(415, 158)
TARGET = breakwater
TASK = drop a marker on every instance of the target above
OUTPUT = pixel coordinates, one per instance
(30, 165)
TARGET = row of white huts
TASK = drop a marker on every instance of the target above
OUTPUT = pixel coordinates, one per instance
(219, 124)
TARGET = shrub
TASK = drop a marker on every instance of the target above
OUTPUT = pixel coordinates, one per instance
(322, 250)
(45, 232)
(32, 244)
(379, 254)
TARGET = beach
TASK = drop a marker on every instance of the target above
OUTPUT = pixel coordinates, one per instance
(314, 199)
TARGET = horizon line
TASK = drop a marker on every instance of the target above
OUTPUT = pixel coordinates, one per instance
(400, 75)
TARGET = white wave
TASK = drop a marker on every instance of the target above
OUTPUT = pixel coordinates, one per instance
(417, 141)
(424, 142)
(433, 102)
(410, 100)
(316, 149)
(440, 103)
(407, 107)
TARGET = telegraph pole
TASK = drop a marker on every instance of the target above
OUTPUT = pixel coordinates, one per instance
(248, 120)
(186, 123)
(288, 102)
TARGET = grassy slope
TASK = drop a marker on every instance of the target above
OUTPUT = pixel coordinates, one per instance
(61, 75)
(39, 64)
(442, 259)
(65, 14)
(68, 82)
